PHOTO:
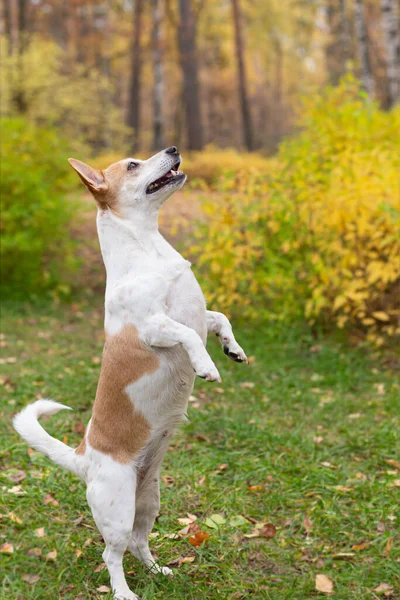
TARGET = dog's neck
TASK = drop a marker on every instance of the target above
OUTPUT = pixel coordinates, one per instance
(127, 244)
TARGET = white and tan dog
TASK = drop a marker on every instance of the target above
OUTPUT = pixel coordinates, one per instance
(156, 325)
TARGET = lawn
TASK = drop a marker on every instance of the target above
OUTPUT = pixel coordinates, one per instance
(304, 440)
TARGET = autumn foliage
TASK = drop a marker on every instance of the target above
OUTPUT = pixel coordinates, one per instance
(317, 234)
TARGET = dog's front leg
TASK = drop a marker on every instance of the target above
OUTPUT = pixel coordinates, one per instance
(218, 323)
(164, 332)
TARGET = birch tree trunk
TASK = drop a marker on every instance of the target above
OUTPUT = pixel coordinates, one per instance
(241, 68)
(391, 37)
(362, 43)
(158, 89)
(189, 65)
(133, 118)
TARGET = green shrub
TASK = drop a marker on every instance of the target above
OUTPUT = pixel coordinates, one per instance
(36, 247)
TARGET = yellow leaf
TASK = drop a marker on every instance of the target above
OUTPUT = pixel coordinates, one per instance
(381, 316)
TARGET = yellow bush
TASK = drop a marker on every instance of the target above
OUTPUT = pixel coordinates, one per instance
(317, 233)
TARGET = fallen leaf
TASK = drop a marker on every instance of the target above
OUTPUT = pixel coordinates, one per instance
(360, 546)
(17, 490)
(384, 587)
(255, 488)
(223, 467)
(388, 547)
(188, 559)
(40, 532)
(237, 521)
(7, 548)
(201, 481)
(354, 416)
(78, 553)
(215, 521)
(392, 461)
(199, 538)
(247, 385)
(103, 589)
(380, 526)
(307, 525)
(323, 584)
(14, 518)
(49, 499)
(201, 438)
(52, 555)
(318, 439)
(343, 555)
(343, 488)
(100, 568)
(396, 483)
(35, 552)
(17, 476)
(30, 578)
(187, 520)
(268, 531)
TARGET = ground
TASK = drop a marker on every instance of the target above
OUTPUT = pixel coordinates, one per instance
(304, 440)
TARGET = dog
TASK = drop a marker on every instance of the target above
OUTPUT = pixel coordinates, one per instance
(156, 326)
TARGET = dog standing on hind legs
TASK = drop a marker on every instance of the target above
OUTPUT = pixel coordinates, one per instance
(156, 325)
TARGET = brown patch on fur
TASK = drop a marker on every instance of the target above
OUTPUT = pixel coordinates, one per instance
(81, 449)
(116, 427)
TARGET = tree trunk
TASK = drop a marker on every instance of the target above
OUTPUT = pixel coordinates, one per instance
(133, 118)
(244, 104)
(158, 90)
(362, 41)
(189, 66)
(391, 36)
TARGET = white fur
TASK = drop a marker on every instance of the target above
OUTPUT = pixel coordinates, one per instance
(150, 286)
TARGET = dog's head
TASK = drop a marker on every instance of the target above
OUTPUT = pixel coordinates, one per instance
(131, 183)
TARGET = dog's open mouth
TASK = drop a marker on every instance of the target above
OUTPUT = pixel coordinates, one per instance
(172, 176)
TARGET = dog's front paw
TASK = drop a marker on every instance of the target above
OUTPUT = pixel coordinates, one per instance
(209, 373)
(235, 352)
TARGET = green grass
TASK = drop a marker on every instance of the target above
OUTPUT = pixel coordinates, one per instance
(314, 435)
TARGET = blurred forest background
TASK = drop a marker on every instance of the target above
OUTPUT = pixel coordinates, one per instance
(226, 72)
(287, 114)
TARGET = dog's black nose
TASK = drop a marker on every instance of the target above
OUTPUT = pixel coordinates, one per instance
(172, 150)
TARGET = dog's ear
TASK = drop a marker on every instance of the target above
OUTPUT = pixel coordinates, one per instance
(93, 178)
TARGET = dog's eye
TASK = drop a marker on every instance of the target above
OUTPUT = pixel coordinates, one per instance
(132, 165)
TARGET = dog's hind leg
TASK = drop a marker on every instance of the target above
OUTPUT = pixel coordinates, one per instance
(111, 496)
(147, 507)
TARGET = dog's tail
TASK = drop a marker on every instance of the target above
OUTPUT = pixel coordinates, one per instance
(27, 425)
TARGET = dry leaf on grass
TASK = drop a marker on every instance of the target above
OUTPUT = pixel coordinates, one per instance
(100, 568)
(13, 517)
(35, 552)
(268, 531)
(49, 499)
(52, 555)
(40, 532)
(384, 587)
(187, 520)
(17, 490)
(198, 538)
(7, 548)
(393, 462)
(188, 559)
(168, 480)
(388, 547)
(247, 385)
(29, 578)
(323, 584)
(307, 525)
(17, 476)
(255, 488)
(103, 589)
(360, 546)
